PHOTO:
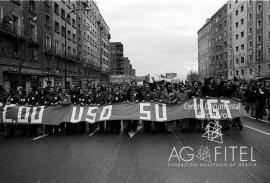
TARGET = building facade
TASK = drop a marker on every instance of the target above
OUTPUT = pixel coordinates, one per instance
(49, 42)
(204, 50)
(240, 49)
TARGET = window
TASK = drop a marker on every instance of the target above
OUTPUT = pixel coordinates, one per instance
(56, 8)
(34, 54)
(32, 6)
(47, 20)
(249, 16)
(74, 38)
(259, 8)
(250, 57)
(230, 29)
(242, 8)
(259, 23)
(242, 21)
(56, 27)
(56, 45)
(242, 72)
(230, 6)
(73, 23)
(242, 46)
(259, 38)
(250, 43)
(237, 73)
(48, 41)
(236, 48)
(242, 59)
(63, 31)
(250, 30)
(236, 12)
(242, 34)
(236, 36)
(237, 60)
(1, 13)
(236, 1)
(259, 54)
(63, 14)
(69, 50)
(236, 24)
(68, 19)
(69, 34)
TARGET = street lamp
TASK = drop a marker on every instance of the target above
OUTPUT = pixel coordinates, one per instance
(72, 11)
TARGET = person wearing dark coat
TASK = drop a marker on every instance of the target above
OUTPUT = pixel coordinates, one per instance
(101, 100)
(133, 95)
(117, 97)
(147, 96)
(260, 101)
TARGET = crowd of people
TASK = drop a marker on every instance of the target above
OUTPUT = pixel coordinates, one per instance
(254, 95)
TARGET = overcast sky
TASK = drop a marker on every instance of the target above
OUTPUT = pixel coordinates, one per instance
(159, 36)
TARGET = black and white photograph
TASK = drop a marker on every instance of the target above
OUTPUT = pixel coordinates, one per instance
(134, 91)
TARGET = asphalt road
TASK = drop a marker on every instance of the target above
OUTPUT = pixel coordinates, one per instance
(118, 158)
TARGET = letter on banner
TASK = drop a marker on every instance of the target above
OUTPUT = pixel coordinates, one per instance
(91, 114)
(33, 116)
(20, 119)
(198, 114)
(73, 116)
(164, 113)
(109, 113)
(226, 102)
(214, 110)
(5, 120)
(148, 113)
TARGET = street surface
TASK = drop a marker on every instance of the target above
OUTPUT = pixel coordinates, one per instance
(117, 158)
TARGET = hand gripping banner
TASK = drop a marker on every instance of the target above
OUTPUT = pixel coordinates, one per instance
(199, 108)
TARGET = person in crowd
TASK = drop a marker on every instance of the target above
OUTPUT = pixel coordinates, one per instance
(81, 100)
(52, 98)
(32, 97)
(12, 97)
(41, 96)
(133, 95)
(73, 94)
(249, 98)
(101, 100)
(117, 97)
(260, 101)
(147, 96)
(236, 95)
(209, 89)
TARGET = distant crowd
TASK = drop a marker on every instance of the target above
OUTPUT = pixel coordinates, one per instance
(254, 95)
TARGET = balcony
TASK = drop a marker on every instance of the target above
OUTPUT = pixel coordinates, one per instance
(12, 31)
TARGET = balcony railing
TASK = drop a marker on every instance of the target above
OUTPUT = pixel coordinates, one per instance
(12, 30)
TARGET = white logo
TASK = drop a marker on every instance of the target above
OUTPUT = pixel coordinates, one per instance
(213, 132)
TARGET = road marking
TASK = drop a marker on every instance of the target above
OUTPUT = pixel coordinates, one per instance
(41, 136)
(260, 120)
(93, 133)
(131, 134)
(257, 130)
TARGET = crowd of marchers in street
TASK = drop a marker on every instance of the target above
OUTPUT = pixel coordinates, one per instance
(254, 95)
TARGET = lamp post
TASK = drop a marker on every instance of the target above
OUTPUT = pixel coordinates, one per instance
(72, 11)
